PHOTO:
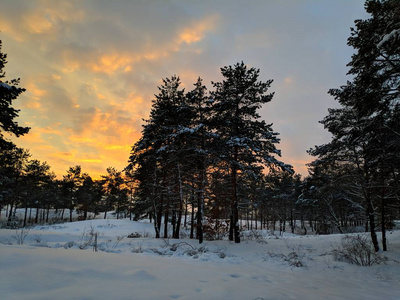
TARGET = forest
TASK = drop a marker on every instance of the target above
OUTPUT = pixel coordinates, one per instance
(207, 161)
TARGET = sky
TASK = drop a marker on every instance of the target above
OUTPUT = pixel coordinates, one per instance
(91, 67)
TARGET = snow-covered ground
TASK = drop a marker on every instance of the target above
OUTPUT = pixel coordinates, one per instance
(59, 262)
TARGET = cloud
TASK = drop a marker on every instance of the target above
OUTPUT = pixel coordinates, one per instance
(196, 31)
(91, 68)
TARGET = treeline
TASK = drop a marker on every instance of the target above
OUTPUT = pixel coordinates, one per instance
(30, 185)
(208, 162)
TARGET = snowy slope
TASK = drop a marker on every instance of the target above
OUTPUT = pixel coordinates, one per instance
(57, 262)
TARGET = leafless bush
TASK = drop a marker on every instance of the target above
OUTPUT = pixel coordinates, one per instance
(293, 258)
(20, 235)
(253, 235)
(358, 250)
(137, 249)
(119, 239)
(89, 238)
(37, 238)
(296, 256)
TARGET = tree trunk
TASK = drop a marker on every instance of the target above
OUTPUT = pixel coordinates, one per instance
(234, 201)
(26, 213)
(173, 223)
(48, 211)
(30, 215)
(192, 217)
(166, 216)
(10, 213)
(383, 221)
(37, 215)
(178, 221)
(371, 217)
(231, 227)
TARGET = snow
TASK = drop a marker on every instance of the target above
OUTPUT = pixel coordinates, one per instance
(388, 36)
(5, 85)
(54, 263)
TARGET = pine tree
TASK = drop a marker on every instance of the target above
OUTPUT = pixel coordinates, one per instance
(156, 157)
(201, 141)
(247, 143)
(116, 195)
(366, 129)
(9, 91)
(71, 183)
(37, 177)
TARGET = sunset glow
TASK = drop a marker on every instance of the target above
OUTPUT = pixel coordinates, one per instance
(91, 68)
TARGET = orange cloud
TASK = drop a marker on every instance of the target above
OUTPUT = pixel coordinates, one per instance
(49, 130)
(110, 63)
(35, 92)
(51, 16)
(197, 30)
(38, 24)
(91, 160)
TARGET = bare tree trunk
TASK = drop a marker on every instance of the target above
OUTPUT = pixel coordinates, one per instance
(181, 200)
(48, 211)
(37, 215)
(192, 216)
(234, 202)
(383, 221)
(166, 216)
(371, 216)
(26, 213)
(10, 213)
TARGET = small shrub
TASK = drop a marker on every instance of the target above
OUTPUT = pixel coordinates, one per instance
(89, 238)
(69, 244)
(253, 235)
(37, 238)
(119, 239)
(293, 259)
(134, 235)
(358, 250)
(20, 235)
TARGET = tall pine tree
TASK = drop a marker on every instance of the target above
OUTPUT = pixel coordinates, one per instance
(366, 129)
(247, 143)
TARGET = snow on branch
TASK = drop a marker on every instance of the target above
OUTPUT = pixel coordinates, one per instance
(388, 36)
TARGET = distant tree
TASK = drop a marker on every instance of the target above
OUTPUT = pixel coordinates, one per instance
(71, 183)
(89, 195)
(13, 162)
(37, 177)
(115, 192)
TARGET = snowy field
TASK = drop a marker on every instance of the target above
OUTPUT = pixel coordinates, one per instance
(59, 262)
